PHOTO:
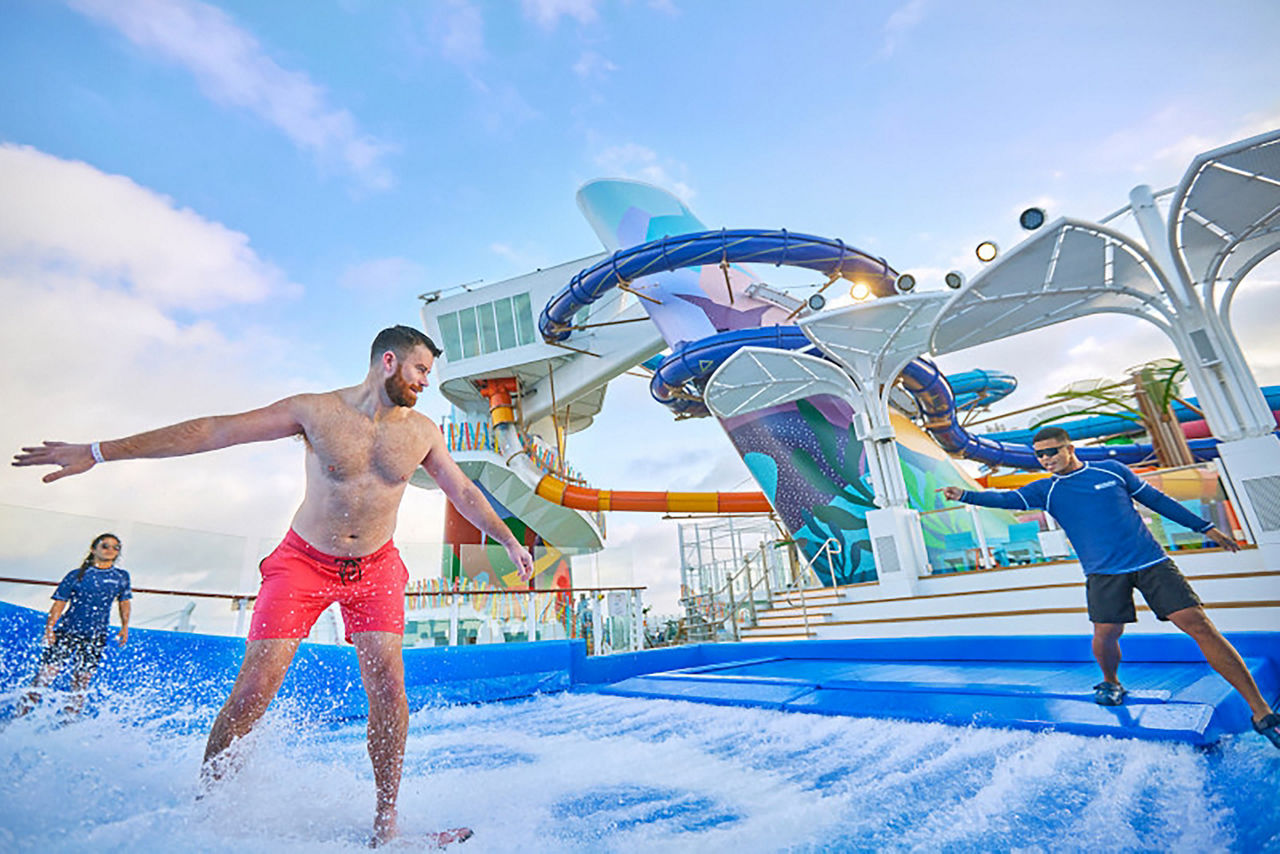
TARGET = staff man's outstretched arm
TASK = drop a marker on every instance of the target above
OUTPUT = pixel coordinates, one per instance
(210, 433)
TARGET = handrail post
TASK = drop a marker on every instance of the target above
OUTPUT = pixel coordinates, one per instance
(733, 610)
(831, 567)
(764, 564)
(597, 621)
(241, 604)
(454, 616)
(531, 621)
(637, 621)
(985, 560)
(804, 612)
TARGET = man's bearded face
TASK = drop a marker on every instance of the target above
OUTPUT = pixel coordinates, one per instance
(400, 391)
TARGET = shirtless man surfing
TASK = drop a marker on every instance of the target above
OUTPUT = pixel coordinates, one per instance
(363, 443)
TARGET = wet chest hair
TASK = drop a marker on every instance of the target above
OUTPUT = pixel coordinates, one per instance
(351, 446)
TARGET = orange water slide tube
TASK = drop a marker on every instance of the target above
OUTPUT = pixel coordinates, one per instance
(555, 490)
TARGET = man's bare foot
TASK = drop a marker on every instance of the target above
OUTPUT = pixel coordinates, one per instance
(384, 827)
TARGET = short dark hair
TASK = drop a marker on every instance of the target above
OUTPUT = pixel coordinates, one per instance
(1047, 434)
(400, 340)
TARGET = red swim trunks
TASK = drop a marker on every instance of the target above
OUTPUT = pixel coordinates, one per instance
(299, 581)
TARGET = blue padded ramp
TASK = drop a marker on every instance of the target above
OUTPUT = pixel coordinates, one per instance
(1173, 695)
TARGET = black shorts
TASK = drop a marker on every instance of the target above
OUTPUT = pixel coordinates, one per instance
(1161, 584)
(82, 653)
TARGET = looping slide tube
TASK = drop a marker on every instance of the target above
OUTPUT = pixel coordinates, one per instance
(698, 359)
(831, 257)
(555, 490)
(922, 379)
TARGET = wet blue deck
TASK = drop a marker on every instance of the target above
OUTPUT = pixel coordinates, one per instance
(1042, 683)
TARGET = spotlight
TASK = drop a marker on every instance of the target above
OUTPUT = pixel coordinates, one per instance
(905, 283)
(1031, 218)
(816, 302)
(987, 251)
(859, 291)
(954, 280)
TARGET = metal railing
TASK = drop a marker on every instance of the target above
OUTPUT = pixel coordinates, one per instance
(708, 613)
(829, 547)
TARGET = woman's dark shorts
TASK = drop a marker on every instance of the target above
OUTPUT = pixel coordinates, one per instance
(82, 653)
(1162, 585)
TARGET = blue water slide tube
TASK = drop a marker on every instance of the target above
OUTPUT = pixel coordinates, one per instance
(922, 379)
(1100, 426)
(830, 257)
(980, 388)
(696, 360)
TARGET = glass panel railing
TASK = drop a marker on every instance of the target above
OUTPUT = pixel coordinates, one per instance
(1012, 539)
(1199, 489)
(197, 581)
(967, 537)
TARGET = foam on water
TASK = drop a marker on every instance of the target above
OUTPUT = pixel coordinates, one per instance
(582, 772)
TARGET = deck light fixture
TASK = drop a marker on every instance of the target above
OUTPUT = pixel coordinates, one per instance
(954, 280)
(905, 283)
(987, 251)
(1031, 218)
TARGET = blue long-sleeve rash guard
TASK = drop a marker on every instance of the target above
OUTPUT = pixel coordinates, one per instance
(1094, 506)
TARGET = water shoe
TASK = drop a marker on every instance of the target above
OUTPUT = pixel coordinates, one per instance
(1269, 728)
(1109, 693)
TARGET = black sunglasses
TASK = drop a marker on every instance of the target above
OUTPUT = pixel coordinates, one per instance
(1041, 453)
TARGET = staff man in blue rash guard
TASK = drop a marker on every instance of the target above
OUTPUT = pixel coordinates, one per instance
(1093, 502)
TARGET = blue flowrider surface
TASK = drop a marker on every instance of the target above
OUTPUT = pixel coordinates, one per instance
(1173, 694)
(1021, 682)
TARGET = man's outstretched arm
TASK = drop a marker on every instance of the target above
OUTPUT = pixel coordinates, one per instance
(1008, 499)
(472, 504)
(210, 433)
(1171, 509)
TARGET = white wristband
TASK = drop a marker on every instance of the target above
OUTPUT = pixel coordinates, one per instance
(97, 453)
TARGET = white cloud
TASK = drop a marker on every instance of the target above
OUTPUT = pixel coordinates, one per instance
(457, 28)
(547, 13)
(1158, 147)
(67, 216)
(103, 335)
(593, 66)
(631, 160)
(524, 257)
(904, 19)
(383, 274)
(232, 68)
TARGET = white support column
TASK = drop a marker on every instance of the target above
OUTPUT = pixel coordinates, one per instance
(897, 543)
(1253, 468)
(1233, 405)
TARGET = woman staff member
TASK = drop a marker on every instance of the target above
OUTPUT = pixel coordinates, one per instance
(78, 636)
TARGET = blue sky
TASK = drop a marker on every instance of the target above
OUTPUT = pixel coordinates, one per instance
(209, 205)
